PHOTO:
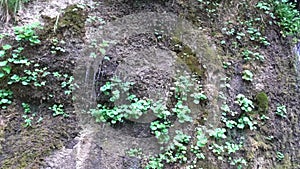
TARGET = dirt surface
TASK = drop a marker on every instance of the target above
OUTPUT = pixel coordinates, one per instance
(149, 60)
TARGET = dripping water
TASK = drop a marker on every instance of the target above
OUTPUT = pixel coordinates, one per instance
(297, 63)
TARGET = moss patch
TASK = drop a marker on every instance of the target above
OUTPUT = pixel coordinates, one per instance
(187, 56)
(262, 102)
(71, 22)
(26, 147)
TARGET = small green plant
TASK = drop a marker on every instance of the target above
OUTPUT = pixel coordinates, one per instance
(240, 162)
(249, 55)
(26, 108)
(102, 47)
(30, 76)
(281, 111)
(201, 142)
(182, 87)
(198, 97)
(182, 112)
(160, 110)
(135, 109)
(246, 104)
(225, 82)
(155, 163)
(226, 109)
(57, 46)
(279, 156)
(226, 65)
(218, 133)
(134, 152)
(67, 84)
(210, 7)
(161, 130)
(244, 120)
(27, 118)
(288, 15)
(5, 68)
(267, 7)
(201, 138)
(5, 98)
(106, 114)
(177, 151)
(247, 75)
(229, 123)
(217, 149)
(27, 33)
(95, 19)
(232, 147)
(255, 35)
(58, 110)
(138, 107)
(264, 117)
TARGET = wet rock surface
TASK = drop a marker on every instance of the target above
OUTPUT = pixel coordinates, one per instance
(60, 143)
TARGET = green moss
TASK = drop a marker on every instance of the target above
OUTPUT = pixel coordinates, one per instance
(27, 147)
(30, 146)
(71, 20)
(262, 101)
(187, 56)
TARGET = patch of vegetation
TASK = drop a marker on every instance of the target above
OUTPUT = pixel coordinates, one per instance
(133, 107)
(284, 13)
(288, 15)
(57, 46)
(18, 72)
(262, 102)
(281, 111)
(247, 75)
(161, 130)
(183, 149)
(58, 110)
(11, 59)
(246, 104)
(279, 156)
(72, 19)
(218, 133)
(245, 120)
(6, 97)
(117, 113)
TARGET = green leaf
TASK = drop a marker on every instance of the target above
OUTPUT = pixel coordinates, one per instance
(2, 53)
(6, 47)
(25, 83)
(23, 61)
(241, 125)
(246, 119)
(4, 101)
(196, 101)
(3, 63)
(103, 51)
(6, 69)
(2, 74)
